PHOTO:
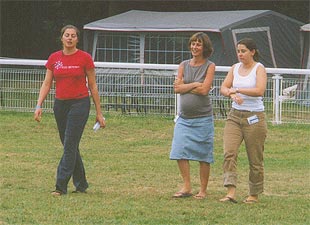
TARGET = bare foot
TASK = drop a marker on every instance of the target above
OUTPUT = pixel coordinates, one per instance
(251, 199)
(200, 195)
(56, 193)
(181, 194)
(228, 199)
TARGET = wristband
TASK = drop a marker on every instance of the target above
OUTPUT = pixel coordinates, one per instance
(38, 107)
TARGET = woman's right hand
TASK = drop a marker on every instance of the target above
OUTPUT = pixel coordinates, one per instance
(38, 114)
(237, 98)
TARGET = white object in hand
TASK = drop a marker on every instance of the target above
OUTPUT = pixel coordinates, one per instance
(96, 126)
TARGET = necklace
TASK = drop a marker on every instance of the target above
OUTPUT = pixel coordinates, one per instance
(247, 67)
(244, 71)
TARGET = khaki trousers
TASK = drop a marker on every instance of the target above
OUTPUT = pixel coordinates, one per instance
(237, 129)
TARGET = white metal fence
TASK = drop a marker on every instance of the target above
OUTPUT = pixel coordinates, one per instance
(131, 88)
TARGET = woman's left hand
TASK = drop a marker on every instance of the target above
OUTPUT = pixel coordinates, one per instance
(237, 98)
(231, 91)
(178, 82)
(38, 114)
(101, 120)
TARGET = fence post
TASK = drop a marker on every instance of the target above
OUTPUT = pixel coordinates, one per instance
(176, 102)
(277, 101)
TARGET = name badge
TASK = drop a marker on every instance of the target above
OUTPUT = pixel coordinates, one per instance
(252, 119)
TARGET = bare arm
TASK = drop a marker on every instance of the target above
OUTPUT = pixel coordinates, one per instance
(44, 90)
(205, 87)
(259, 89)
(91, 77)
(226, 87)
(227, 83)
(179, 86)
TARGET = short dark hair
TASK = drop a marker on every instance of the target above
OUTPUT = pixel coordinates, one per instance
(206, 43)
(251, 45)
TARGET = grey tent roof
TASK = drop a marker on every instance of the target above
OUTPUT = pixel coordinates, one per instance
(136, 20)
(276, 35)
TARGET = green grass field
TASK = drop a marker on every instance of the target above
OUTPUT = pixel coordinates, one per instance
(132, 179)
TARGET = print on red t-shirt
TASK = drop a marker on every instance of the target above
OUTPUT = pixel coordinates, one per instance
(70, 73)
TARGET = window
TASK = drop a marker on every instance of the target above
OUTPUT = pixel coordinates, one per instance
(155, 48)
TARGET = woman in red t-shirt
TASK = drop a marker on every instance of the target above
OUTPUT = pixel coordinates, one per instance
(74, 73)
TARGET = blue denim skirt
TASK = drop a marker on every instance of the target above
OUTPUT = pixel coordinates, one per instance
(193, 139)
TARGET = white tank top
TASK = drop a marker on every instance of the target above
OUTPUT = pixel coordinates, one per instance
(253, 104)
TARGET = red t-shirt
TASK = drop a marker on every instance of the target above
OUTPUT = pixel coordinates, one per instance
(69, 73)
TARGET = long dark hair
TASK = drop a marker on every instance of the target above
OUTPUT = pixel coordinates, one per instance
(69, 26)
(251, 45)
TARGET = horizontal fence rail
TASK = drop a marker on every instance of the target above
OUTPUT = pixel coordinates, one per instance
(132, 88)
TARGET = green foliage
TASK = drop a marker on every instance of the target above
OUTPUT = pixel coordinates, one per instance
(132, 179)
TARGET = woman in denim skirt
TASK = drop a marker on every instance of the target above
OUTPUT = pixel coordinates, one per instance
(194, 127)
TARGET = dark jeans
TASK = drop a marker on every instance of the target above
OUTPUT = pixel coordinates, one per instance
(71, 117)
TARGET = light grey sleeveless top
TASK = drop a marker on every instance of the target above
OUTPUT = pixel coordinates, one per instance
(192, 105)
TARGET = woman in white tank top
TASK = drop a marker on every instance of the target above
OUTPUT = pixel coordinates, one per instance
(245, 84)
